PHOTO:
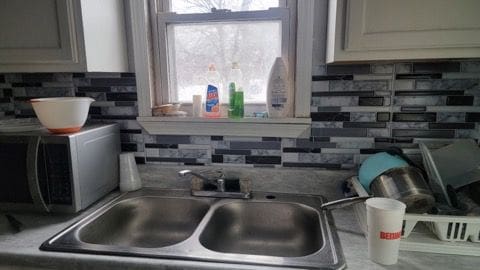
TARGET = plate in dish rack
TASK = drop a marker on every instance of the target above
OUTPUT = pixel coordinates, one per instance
(20, 125)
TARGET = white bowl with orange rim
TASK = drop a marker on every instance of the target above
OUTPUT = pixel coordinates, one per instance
(62, 114)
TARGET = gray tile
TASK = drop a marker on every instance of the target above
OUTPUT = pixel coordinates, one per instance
(266, 152)
(317, 124)
(172, 139)
(382, 68)
(367, 77)
(436, 67)
(419, 101)
(409, 125)
(358, 85)
(13, 77)
(451, 117)
(348, 69)
(200, 139)
(193, 153)
(320, 86)
(403, 68)
(363, 116)
(58, 84)
(460, 75)
(81, 81)
(355, 144)
(255, 145)
(464, 133)
(334, 101)
(329, 109)
(319, 70)
(404, 85)
(63, 77)
(97, 96)
(102, 75)
(122, 89)
(50, 91)
(471, 66)
(235, 159)
(306, 143)
(423, 133)
(340, 132)
(448, 84)
(325, 158)
(378, 132)
(220, 144)
(169, 153)
(120, 111)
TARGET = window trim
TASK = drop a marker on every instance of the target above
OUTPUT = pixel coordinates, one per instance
(144, 33)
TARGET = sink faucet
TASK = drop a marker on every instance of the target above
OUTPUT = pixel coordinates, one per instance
(219, 182)
(222, 188)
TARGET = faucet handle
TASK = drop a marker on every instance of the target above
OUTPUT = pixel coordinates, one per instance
(184, 172)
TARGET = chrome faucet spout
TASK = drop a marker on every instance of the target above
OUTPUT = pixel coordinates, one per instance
(187, 172)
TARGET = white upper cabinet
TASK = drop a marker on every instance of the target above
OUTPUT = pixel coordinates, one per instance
(62, 36)
(363, 30)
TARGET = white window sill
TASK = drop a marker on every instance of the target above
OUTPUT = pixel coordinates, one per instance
(261, 127)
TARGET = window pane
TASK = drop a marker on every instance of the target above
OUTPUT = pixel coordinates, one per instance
(193, 47)
(205, 6)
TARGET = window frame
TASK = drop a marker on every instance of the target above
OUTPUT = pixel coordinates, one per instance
(145, 33)
(166, 18)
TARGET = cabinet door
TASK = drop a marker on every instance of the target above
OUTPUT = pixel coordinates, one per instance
(37, 32)
(405, 29)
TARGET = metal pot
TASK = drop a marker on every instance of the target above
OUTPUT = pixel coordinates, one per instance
(405, 184)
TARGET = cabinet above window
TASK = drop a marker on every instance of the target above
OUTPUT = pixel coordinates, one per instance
(62, 36)
(365, 30)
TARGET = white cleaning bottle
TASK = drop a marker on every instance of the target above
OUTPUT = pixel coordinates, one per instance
(212, 99)
(279, 91)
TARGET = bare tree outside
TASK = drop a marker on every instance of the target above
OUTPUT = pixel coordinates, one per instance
(193, 46)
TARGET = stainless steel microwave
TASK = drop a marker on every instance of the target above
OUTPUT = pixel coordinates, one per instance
(58, 173)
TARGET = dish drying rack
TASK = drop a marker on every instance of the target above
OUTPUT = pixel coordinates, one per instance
(445, 234)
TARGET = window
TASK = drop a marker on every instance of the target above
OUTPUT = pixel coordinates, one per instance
(175, 41)
(193, 34)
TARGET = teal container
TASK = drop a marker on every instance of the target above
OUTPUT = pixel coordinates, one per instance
(377, 164)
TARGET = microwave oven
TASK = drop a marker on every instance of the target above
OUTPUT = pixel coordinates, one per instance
(41, 171)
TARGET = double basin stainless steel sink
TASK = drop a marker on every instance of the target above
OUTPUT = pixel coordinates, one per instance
(270, 229)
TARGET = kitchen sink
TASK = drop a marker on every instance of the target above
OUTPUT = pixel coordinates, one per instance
(147, 222)
(270, 229)
(274, 229)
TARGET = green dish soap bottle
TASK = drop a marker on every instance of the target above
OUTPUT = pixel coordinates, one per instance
(235, 77)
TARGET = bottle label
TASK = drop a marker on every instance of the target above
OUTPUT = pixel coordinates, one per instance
(212, 104)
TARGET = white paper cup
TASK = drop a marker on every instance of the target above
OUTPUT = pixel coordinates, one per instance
(384, 222)
(129, 176)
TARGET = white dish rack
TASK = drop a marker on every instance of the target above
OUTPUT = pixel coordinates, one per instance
(444, 234)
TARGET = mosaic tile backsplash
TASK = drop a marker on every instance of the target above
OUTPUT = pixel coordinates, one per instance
(357, 110)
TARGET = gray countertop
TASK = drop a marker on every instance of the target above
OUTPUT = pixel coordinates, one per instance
(20, 250)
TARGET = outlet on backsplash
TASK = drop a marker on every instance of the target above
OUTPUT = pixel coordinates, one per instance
(356, 110)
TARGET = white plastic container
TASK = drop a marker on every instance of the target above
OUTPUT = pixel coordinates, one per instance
(197, 106)
(384, 223)
(129, 177)
(279, 91)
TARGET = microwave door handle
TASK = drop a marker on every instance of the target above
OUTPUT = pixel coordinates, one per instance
(32, 174)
